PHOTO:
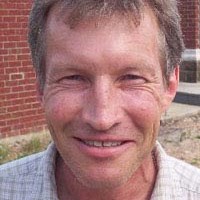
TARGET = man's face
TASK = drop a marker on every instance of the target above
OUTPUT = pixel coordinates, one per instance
(104, 96)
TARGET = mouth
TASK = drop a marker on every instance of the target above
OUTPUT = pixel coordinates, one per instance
(103, 148)
(102, 144)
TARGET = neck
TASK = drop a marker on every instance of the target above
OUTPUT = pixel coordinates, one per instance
(139, 187)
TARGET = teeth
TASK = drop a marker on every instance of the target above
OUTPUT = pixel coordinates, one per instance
(89, 143)
(116, 143)
(108, 144)
(97, 144)
(102, 144)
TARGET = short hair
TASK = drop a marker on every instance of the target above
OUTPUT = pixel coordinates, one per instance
(166, 12)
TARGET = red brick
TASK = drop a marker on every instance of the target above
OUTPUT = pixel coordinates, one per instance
(11, 83)
(17, 101)
(13, 122)
(17, 88)
(30, 75)
(17, 114)
(2, 71)
(4, 77)
(9, 45)
(4, 90)
(26, 81)
(2, 84)
(14, 38)
(21, 32)
(4, 25)
(9, 58)
(36, 105)
(23, 57)
(25, 67)
(12, 96)
(3, 12)
(40, 111)
(30, 87)
(22, 19)
(18, 126)
(9, 32)
(11, 70)
(27, 94)
(9, 19)
(4, 38)
(3, 51)
(5, 116)
(22, 44)
(5, 129)
(2, 123)
(25, 51)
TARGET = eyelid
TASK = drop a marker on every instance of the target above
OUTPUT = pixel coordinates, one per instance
(131, 77)
(75, 77)
(74, 80)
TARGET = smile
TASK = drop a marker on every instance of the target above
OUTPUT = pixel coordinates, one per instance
(102, 143)
(103, 148)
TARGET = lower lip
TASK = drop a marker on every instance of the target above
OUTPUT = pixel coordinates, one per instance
(103, 152)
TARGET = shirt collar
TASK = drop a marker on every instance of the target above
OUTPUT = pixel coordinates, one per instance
(167, 186)
(46, 177)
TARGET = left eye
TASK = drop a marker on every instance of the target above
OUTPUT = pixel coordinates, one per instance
(75, 78)
(130, 77)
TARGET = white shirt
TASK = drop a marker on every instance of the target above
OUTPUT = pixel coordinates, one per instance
(33, 178)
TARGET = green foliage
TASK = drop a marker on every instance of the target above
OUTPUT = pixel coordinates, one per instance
(31, 147)
(195, 161)
(22, 149)
(4, 152)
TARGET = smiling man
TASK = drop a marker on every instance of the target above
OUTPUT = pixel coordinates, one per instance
(106, 71)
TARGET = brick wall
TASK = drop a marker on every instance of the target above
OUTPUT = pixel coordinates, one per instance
(20, 112)
(189, 10)
(190, 14)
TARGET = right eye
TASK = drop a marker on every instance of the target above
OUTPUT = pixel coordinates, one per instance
(74, 78)
(74, 81)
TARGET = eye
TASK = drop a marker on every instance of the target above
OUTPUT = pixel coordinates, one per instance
(73, 81)
(133, 78)
(74, 78)
(130, 77)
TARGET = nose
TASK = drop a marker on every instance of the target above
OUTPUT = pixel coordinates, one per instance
(102, 110)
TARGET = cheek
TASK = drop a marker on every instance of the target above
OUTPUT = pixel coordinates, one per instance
(144, 109)
(61, 108)
(144, 105)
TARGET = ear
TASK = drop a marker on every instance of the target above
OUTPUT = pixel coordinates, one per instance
(39, 91)
(170, 90)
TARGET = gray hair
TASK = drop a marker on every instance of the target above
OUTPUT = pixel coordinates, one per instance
(166, 12)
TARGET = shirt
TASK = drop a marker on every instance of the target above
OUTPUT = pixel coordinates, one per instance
(33, 178)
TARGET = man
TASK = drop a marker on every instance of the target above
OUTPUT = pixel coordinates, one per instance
(106, 71)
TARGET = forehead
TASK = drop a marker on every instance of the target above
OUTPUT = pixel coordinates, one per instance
(107, 40)
(59, 15)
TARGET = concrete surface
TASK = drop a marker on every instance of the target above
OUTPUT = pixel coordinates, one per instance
(188, 93)
(179, 111)
(190, 88)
